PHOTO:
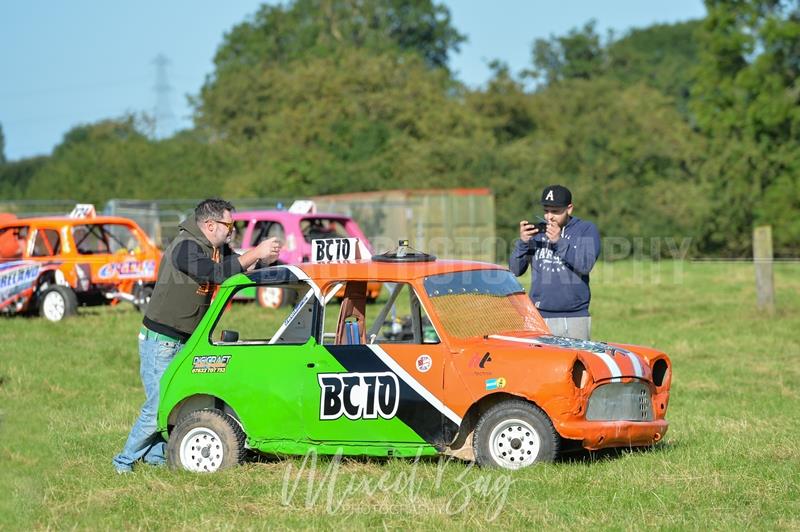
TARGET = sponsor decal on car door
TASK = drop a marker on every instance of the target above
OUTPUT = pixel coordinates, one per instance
(378, 393)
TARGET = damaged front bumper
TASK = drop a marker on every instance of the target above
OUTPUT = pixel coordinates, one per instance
(595, 435)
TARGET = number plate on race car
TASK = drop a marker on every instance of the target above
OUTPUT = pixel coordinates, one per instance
(334, 249)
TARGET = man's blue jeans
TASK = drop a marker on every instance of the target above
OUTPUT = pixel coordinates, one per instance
(155, 354)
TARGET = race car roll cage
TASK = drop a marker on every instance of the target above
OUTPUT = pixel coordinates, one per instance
(102, 234)
(351, 323)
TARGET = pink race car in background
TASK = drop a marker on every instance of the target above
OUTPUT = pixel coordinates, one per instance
(296, 231)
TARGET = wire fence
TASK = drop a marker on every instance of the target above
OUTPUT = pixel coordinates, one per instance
(448, 223)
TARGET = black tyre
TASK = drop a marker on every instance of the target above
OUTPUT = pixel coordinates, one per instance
(514, 434)
(57, 302)
(206, 441)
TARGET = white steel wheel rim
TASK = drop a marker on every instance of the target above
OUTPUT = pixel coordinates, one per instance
(514, 443)
(201, 450)
(54, 306)
(271, 297)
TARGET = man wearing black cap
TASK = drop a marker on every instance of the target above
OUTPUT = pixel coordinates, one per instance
(562, 254)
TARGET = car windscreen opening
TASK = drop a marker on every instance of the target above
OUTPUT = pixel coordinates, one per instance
(481, 303)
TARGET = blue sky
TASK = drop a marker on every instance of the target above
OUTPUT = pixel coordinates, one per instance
(67, 63)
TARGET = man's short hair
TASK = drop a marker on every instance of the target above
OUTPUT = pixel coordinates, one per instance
(212, 209)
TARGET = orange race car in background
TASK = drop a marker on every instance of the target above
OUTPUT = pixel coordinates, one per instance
(53, 264)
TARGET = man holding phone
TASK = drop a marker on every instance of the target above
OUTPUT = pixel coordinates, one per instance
(562, 250)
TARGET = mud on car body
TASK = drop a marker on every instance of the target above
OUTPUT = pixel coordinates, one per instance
(491, 385)
(51, 265)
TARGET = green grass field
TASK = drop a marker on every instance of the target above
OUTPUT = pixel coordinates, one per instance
(70, 392)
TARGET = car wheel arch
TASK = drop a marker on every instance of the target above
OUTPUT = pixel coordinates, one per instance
(45, 280)
(200, 401)
(463, 440)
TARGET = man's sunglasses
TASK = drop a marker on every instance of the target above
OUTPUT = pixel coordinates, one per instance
(228, 225)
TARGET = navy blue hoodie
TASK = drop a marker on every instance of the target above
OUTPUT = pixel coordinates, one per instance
(560, 276)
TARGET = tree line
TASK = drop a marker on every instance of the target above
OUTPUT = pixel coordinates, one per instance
(674, 130)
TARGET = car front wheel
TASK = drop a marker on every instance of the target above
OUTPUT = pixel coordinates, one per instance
(514, 434)
(206, 441)
(57, 302)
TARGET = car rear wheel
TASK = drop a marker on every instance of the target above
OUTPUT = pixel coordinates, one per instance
(206, 441)
(514, 434)
(57, 302)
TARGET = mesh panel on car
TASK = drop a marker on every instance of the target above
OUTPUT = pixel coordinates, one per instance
(619, 401)
(466, 315)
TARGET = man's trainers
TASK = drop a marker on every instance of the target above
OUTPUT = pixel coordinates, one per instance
(123, 470)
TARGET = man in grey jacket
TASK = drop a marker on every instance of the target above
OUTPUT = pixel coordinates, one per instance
(199, 259)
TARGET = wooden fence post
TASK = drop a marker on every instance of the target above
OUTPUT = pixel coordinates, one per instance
(762, 260)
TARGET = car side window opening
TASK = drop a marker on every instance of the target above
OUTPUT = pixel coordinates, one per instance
(13, 241)
(400, 319)
(47, 243)
(121, 238)
(482, 303)
(249, 324)
(319, 228)
(91, 239)
(264, 230)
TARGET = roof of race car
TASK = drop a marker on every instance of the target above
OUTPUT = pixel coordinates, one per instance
(66, 220)
(367, 270)
(285, 215)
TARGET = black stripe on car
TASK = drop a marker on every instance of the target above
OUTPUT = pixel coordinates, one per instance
(414, 410)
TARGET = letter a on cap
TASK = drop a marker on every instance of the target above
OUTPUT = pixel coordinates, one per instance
(549, 196)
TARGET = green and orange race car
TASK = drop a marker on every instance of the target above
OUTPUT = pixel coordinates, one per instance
(489, 383)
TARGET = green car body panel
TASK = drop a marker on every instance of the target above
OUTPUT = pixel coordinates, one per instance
(275, 394)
